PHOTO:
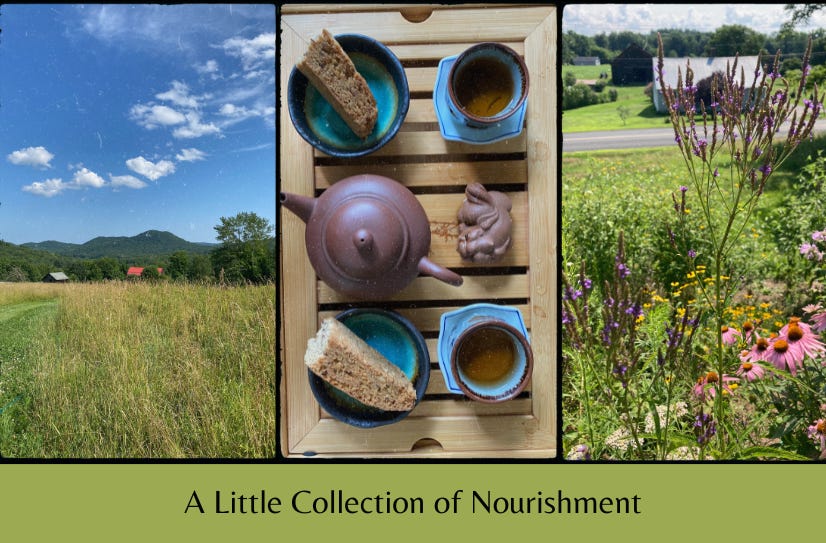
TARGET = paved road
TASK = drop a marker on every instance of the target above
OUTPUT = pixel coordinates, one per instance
(617, 139)
(630, 139)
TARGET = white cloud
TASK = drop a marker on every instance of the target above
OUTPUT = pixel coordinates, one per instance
(210, 67)
(154, 116)
(127, 181)
(190, 155)
(150, 170)
(592, 19)
(231, 110)
(195, 128)
(255, 74)
(187, 117)
(171, 30)
(87, 178)
(47, 188)
(252, 52)
(236, 114)
(179, 95)
(37, 157)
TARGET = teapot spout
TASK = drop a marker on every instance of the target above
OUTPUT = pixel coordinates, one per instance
(428, 267)
(300, 205)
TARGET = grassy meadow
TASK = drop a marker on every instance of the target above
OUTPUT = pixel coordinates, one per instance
(639, 109)
(137, 370)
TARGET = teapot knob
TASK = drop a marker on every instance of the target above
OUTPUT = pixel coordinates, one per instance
(363, 240)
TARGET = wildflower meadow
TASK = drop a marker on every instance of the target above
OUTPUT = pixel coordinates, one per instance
(693, 300)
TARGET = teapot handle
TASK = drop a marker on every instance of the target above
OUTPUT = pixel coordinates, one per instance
(428, 267)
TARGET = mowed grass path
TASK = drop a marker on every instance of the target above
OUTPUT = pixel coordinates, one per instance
(137, 370)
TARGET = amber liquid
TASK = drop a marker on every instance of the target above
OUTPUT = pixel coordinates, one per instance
(483, 87)
(486, 356)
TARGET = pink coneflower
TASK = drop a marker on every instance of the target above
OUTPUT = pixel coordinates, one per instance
(782, 357)
(802, 339)
(818, 321)
(757, 351)
(750, 371)
(730, 335)
(706, 386)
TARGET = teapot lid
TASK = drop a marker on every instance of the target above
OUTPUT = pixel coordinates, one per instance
(365, 236)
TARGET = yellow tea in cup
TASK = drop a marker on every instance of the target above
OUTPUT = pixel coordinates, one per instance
(484, 86)
(486, 356)
(487, 83)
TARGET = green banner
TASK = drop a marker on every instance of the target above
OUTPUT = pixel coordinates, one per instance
(369, 502)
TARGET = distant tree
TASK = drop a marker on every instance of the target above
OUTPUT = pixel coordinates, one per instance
(15, 274)
(624, 112)
(679, 42)
(110, 268)
(178, 265)
(575, 45)
(801, 13)
(730, 40)
(199, 269)
(150, 273)
(569, 79)
(244, 253)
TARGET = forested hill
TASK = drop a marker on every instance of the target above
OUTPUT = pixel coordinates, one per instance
(149, 243)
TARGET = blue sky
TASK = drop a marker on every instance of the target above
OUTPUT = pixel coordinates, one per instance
(591, 19)
(116, 119)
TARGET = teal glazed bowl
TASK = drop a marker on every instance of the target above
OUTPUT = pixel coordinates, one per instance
(396, 339)
(323, 128)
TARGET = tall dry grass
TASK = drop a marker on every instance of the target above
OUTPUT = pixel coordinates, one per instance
(141, 370)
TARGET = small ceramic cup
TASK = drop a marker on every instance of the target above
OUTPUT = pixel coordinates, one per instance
(487, 84)
(485, 353)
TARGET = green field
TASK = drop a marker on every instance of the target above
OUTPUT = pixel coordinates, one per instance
(134, 370)
(638, 108)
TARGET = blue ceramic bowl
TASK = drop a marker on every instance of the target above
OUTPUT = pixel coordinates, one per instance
(400, 342)
(318, 123)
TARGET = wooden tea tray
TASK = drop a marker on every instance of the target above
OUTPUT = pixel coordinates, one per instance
(437, 171)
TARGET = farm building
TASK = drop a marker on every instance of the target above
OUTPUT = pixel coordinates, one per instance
(586, 61)
(135, 271)
(55, 277)
(702, 67)
(632, 66)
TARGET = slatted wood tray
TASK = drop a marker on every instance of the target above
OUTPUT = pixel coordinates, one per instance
(437, 171)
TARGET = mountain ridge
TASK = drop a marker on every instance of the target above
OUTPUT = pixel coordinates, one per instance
(148, 243)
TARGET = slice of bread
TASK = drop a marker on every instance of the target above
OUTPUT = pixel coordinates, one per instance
(331, 71)
(347, 362)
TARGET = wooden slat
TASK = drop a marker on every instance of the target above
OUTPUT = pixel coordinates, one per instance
(333, 8)
(540, 53)
(299, 411)
(481, 287)
(463, 407)
(421, 79)
(433, 174)
(436, 52)
(456, 435)
(444, 26)
(426, 319)
(432, 143)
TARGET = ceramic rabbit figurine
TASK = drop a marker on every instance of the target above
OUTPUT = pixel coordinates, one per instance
(484, 225)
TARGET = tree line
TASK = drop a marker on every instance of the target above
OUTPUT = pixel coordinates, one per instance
(246, 254)
(727, 40)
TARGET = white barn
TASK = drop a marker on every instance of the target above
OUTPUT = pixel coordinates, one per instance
(702, 67)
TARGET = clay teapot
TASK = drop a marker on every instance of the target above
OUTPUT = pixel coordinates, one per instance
(367, 236)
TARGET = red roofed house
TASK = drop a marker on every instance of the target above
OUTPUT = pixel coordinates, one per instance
(135, 271)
